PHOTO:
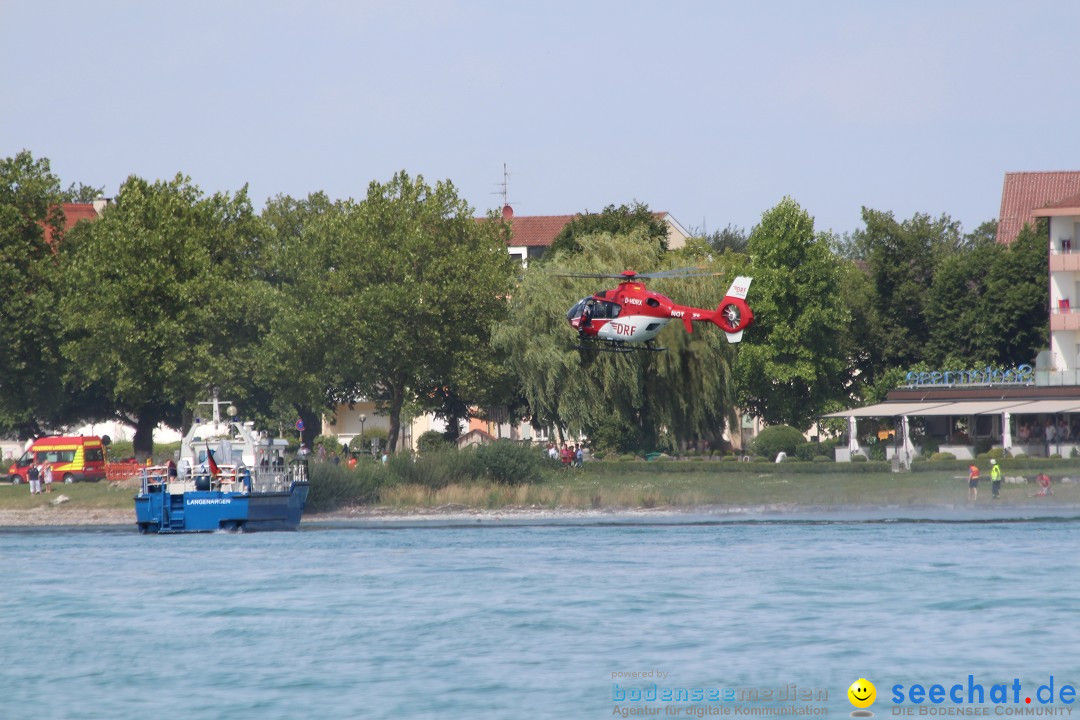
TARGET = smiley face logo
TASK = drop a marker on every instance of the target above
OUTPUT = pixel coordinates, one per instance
(862, 693)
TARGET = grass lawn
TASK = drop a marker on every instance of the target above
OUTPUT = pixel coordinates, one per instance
(612, 489)
(640, 486)
(92, 495)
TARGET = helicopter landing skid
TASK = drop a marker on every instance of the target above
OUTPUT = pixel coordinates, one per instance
(620, 348)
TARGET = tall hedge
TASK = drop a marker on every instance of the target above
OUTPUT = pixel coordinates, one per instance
(777, 438)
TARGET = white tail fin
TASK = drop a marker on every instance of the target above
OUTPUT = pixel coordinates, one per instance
(739, 288)
(741, 314)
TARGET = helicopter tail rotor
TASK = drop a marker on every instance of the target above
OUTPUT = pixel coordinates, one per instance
(733, 315)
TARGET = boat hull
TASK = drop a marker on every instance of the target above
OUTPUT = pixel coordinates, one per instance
(158, 511)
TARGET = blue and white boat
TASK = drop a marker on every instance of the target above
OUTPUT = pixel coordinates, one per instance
(228, 478)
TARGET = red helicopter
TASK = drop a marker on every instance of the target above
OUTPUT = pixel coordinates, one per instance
(629, 317)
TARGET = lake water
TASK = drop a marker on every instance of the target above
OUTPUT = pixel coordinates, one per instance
(501, 620)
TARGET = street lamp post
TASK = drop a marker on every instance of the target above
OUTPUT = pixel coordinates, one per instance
(363, 417)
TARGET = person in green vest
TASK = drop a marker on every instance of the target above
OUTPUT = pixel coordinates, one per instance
(995, 479)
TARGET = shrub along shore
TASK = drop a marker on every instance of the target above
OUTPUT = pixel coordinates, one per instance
(507, 477)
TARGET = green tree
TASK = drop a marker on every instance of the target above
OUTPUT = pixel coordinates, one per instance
(956, 306)
(621, 220)
(984, 234)
(847, 247)
(987, 302)
(794, 362)
(436, 281)
(81, 193)
(31, 389)
(312, 270)
(159, 300)
(389, 299)
(861, 339)
(1016, 298)
(731, 238)
(901, 258)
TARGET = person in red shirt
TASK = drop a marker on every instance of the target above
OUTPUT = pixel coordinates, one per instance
(1044, 485)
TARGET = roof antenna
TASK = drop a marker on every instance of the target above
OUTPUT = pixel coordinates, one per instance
(507, 211)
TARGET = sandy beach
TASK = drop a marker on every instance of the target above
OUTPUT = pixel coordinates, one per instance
(66, 516)
(61, 516)
(45, 516)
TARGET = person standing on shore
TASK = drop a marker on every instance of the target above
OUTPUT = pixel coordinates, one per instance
(973, 482)
(48, 477)
(33, 476)
(995, 479)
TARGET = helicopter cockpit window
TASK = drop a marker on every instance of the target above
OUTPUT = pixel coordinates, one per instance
(605, 310)
(575, 311)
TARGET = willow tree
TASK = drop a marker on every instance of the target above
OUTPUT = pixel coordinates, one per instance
(684, 392)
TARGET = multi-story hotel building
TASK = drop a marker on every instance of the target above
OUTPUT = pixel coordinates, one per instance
(1012, 408)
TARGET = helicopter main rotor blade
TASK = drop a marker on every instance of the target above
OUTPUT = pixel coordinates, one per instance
(680, 272)
(592, 275)
(630, 275)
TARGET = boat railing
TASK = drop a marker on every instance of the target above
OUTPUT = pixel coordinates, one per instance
(153, 477)
(230, 478)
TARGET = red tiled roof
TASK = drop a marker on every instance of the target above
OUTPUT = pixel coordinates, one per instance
(537, 230)
(540, 230)
(1070, 202)
(1025, 192)
(73, 213)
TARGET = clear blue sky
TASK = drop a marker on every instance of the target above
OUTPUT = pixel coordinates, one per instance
(711, 110)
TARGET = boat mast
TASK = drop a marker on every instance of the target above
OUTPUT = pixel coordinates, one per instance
(217, 407)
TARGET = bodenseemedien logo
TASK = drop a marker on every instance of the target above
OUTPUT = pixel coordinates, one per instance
(862, 694)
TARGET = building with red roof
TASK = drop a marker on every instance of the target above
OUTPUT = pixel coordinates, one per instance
(1026, 192)
(531, 235)
(1063, 217)
(1047, 394)
(75, 212)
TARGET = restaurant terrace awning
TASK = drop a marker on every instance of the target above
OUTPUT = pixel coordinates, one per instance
(887, 409)
(959, 408)
(1047, 407)
(976, 407)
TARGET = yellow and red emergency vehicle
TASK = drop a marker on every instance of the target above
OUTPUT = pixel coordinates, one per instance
(74, 459)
